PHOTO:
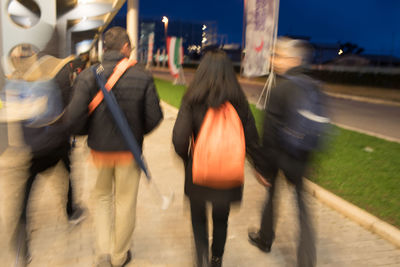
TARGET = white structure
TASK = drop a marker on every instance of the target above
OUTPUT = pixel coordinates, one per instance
(13, 34)
(20, 25)
(36, 22)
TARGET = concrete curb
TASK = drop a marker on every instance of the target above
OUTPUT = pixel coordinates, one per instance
(342, 96)
(360, 216)
(363, 99)
(354, 129)
(354, 213)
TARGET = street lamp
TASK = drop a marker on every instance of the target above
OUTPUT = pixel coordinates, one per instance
(165, 20)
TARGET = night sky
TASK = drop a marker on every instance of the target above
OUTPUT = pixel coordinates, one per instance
(371, 24)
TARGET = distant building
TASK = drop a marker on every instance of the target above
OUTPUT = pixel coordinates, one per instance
(336, 54)
(353, 60)
(349, 60)
(191, 32)
(234, 52)
(383, 60)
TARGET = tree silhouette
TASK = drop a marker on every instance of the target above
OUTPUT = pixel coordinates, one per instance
(350, 48)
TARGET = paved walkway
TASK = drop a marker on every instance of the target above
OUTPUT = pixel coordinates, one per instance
(164, 238)
(3, 137)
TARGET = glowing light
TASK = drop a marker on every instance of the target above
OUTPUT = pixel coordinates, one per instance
(196, 48)
(165, 19)
(204, 27)
(340, 52)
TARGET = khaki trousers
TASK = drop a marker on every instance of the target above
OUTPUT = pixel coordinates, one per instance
(115, 196)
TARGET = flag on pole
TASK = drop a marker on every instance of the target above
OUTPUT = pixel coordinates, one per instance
(158, 57)
(175, 55)
(261, 28)
(163, 56)
(150, 50)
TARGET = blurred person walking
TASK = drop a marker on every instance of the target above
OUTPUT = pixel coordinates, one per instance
(292, 88)
(213, 88)
(118, 174)
(47, 144)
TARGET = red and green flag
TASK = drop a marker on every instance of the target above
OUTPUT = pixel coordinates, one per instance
(175, 54)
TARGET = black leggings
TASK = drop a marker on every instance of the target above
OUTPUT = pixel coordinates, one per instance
(293, 169)
(44, 162)
(220, 214)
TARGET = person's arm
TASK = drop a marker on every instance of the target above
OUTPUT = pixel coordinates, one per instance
(261, 179)
(275, 114)
(251, 134)
(77, 112)
(253, 147)
(153, 112)
(263, 156)
(182, 132)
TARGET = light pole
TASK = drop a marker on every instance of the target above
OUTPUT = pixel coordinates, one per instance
(165, 20)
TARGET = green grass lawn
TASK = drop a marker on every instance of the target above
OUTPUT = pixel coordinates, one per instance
(172, 94)
(362, 169)
(370, 180)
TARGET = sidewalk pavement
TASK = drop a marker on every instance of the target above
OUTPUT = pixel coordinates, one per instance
(164, 238)
(3, 137)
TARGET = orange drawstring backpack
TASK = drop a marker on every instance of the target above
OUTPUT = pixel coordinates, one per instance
(220, 149)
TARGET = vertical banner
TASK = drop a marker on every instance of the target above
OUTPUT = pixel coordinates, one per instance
(175, 55)
(163, 56)
(261, 25)
(158, 57)
(150, 50)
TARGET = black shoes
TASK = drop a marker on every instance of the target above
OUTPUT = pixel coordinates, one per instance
(28, 258)
(216, 261)
(77, 216)
(105, 261)
(128, 258)
(256, 240)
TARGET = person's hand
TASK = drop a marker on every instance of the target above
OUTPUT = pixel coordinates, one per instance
(261, 179)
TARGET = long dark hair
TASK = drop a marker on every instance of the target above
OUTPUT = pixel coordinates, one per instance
(215, 82)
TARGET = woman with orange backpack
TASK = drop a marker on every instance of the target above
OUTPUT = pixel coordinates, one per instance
(212, 133)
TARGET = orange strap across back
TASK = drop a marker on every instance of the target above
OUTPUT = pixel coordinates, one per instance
(119, 69)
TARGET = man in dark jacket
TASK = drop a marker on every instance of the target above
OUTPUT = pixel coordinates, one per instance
(47, 143)
(49, 146)
(288, 58)
(136, 95)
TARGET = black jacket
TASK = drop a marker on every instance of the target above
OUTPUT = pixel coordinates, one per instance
(47, 139)
(272, 154)
(188, 122)
(136, 95)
